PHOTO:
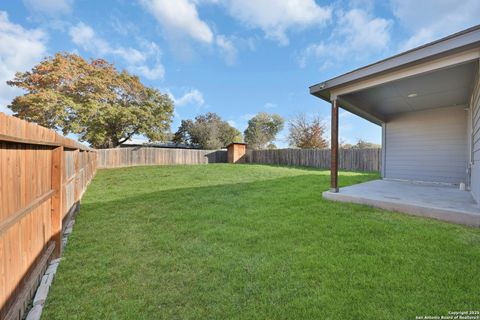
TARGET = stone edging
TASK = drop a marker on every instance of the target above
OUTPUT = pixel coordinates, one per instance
(41, 294)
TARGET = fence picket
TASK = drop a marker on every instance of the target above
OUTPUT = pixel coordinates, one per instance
(139, 156)
(349, 159)
(33, 202)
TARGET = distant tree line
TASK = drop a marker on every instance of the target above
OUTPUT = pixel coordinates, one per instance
(207, 131)
(106, 108)
(262, 130)
(361, 144)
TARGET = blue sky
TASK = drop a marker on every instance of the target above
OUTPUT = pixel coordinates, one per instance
(232, 57)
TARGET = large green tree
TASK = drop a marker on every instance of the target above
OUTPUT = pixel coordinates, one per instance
(103, 106)
(262, 130)
(207, 131)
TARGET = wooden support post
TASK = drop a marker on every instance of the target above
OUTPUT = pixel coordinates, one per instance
(334, 148)
(57, 187)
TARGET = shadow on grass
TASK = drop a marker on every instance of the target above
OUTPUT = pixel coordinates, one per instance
(256, 250)
(273, 195)
(326, 170)
(137, 181)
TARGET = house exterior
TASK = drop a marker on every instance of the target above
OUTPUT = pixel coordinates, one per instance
(427, 101)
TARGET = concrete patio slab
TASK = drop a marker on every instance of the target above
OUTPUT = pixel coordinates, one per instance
(442, 202)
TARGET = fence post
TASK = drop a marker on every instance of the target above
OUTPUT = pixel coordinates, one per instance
(76, 162)
(57, 187)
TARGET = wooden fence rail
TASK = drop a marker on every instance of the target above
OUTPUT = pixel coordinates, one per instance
(349, 159)
(141, 156)
(42, 177)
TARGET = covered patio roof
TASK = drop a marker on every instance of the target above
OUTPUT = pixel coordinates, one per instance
(435, 75)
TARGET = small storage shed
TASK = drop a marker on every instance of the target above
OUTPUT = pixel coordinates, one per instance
(236, 152)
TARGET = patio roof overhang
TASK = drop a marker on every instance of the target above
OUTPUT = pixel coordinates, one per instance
(439, 74)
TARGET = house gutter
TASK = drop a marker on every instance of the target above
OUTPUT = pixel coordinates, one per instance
(458, 42)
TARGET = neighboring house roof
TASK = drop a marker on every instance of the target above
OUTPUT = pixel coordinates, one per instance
(168, 145)
(456, 49)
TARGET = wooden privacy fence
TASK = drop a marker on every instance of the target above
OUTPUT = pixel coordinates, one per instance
(43, 175)
(141, 156)
(349, 159)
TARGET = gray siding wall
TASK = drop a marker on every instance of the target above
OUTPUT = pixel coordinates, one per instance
(475, 111)
(429, 145)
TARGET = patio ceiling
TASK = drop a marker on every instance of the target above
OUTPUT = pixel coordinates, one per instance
(437, 74)
(445, 87)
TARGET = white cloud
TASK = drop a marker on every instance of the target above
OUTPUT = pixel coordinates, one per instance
(153, 52)
(123, 27)
(180, 17)
(84, 36)
(137, 61)
(181, 21)
(49, 7)
(241, 122)
(275, 17)
(429, 20)
(367, 5)
(362, 31)
(21, 49)
(228, 49)
(356, 34)
(192, 97)
(270, 105)
(247, 116)
(281, 140)
(151, 73)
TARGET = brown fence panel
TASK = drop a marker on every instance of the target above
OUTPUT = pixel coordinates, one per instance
(33, 204)
(349, 159)
(143, 156)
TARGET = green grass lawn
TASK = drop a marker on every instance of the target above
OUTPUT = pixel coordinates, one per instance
(254, 242)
